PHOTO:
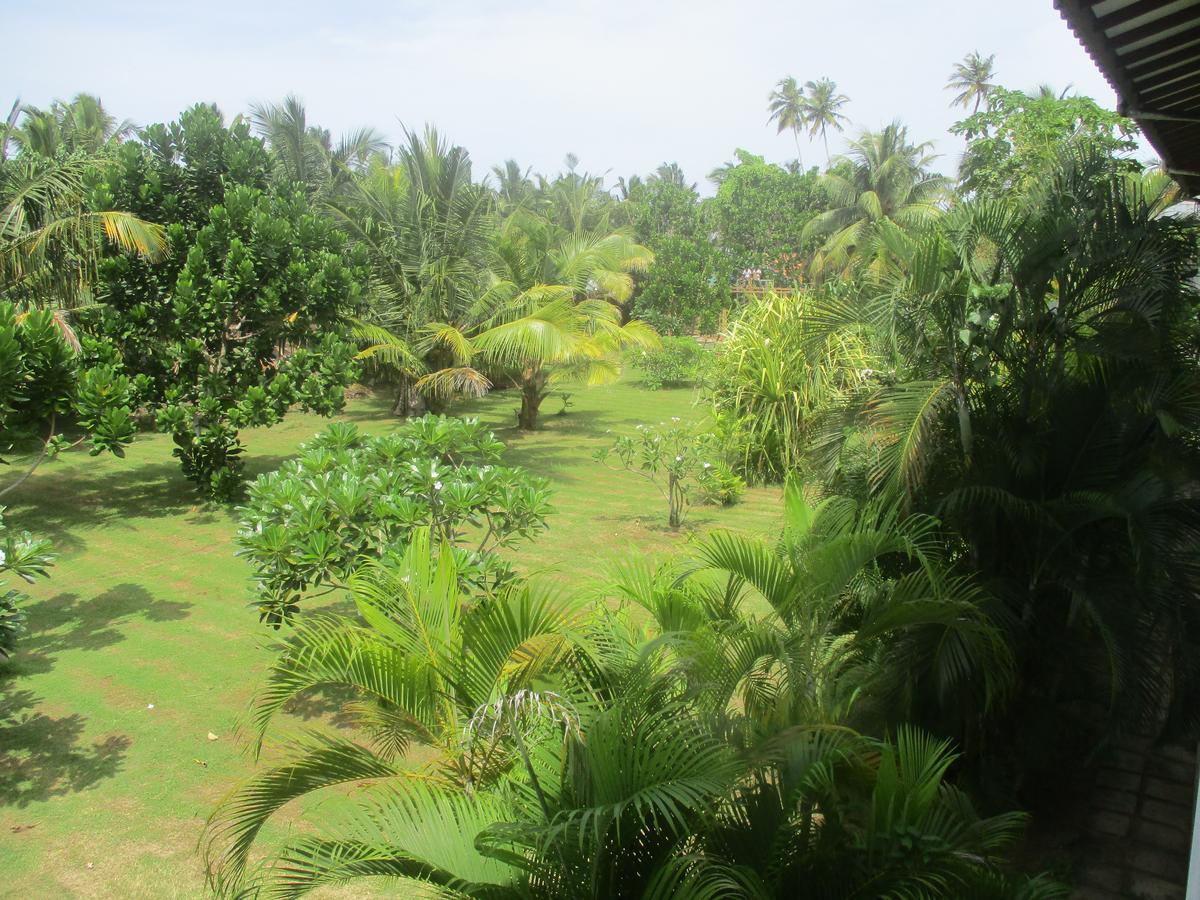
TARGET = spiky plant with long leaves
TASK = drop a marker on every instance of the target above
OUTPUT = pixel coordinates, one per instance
(419, 664)
(775, 373)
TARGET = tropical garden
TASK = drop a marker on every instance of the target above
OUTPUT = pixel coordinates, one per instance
(375, 524)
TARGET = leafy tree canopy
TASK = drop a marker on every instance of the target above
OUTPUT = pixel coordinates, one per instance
(241, 320)
(1017, 138)
(760, 209)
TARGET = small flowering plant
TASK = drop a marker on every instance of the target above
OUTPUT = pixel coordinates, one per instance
(672, 455)
(349, 495)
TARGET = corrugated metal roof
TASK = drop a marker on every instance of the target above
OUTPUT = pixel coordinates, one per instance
(1149, 50)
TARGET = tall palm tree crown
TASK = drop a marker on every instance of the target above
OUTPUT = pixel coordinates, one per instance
(787, 109)
(888, 194)
(822, 103)
(972, 78)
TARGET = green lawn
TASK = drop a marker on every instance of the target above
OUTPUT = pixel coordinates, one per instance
(102, 795)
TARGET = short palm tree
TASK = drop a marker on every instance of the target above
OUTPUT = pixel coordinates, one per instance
(426, 660)
(822, 103)
(621, 782)
(888, 195)
(787, 109)
(851, 606)
(550, 314)
(972, 78)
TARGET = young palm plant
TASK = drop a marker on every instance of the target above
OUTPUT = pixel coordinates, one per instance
(426, 660)
(854, 616)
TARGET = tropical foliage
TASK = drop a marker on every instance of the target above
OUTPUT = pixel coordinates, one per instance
(778, 370)
(28, 558)
(677, 363)
(597, 757)
(350, 496)
(978, 395)
(883, 194)
(238, 322)
(1018, 138)
(676, 459)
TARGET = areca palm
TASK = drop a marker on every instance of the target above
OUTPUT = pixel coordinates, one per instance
(822, 105)
(972, 78)
(621, 782)
(888, 195)
(851, 606)
(787, 109)
(1043, 387)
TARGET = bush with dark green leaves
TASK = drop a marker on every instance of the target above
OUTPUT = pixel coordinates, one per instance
(243, 318)
(677, 363)
(349, 496)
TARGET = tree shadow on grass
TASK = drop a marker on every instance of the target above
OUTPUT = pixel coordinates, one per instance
(59, 504)
(326, 703)
(67, 622)
(43, 757)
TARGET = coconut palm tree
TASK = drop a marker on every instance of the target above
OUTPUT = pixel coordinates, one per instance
(306, 154)
(50, 242)
(550, 315)
(822, 103)
(427, 228)
(514, 186)
(787, 109)
(8, 129)
(888, 195)
(82, 125)
(972, 78)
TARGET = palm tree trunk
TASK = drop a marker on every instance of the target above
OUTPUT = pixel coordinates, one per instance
(799, 161)
(825, 141)
(533, 385)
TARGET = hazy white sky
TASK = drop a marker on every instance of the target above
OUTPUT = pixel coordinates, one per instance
(624, 85)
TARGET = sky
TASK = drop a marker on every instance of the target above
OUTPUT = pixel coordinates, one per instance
(624, 85)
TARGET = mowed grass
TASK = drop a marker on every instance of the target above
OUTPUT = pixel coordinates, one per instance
(142, 643)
